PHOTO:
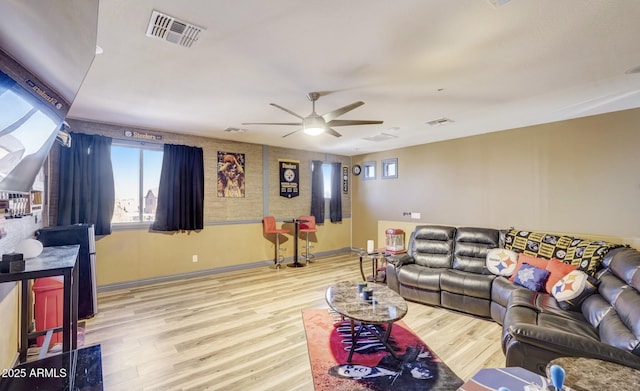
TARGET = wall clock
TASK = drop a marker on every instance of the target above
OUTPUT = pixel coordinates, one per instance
(357, 169)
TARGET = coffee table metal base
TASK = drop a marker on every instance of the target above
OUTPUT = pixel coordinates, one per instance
(383, 338)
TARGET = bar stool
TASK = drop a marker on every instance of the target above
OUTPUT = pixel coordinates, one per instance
(269, 228)
(308, 227)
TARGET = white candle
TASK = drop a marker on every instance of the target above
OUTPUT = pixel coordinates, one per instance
(370, 246)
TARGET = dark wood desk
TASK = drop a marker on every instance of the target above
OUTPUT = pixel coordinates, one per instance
(54, 261)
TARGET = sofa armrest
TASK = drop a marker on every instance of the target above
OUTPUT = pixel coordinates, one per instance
(563, 343)
(400, 260)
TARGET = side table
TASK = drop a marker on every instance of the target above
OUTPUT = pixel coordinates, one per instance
(375, 258)
(589, 374)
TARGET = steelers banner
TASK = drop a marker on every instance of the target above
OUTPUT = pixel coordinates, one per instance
(289, 178)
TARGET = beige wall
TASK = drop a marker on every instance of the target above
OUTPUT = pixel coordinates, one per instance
(579, 176)
(232, 235)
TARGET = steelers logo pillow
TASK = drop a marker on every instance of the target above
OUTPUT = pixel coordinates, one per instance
(573, 288)
(501, 262)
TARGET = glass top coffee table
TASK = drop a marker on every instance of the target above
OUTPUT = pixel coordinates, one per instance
(385, 308)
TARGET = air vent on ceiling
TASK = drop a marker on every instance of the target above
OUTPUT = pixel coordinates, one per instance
(172, 30)
(380, 137)
(439, 121)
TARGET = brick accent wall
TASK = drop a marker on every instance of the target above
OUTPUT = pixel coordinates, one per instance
(217, 209)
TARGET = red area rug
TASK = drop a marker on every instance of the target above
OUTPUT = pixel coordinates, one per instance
(372, 366)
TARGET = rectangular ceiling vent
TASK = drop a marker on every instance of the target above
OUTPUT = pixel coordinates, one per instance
(380, 137)
(439, 122)
(172, 30)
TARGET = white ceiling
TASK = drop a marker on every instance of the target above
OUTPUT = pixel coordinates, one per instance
(486, 67)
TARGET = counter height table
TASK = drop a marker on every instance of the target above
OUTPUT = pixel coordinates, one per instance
(53, 261)
(296, 223)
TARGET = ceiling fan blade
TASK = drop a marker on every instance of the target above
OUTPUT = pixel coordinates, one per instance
(289, 134)
(287, 110)
(333, 132)
(347, 122)
(338, 112)
(273, 123)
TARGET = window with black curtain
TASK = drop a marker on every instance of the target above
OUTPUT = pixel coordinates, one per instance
(86, 188)
(335, 203)
(317, 191)
(181, 193)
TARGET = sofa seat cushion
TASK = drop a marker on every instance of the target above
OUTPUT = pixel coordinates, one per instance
(425, 278)
(501, 290)
(541, 303)
(538, 310)
(468, 284)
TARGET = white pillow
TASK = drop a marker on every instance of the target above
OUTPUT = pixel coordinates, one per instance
(570, 286)
(502, 262)
(29, 248)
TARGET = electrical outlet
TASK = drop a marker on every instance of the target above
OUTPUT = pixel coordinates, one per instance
(415, 215)
(195, 258)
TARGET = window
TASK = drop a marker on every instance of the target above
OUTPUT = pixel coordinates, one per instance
(326, 179)
(389, 168)
(136, 173)
(369, 170)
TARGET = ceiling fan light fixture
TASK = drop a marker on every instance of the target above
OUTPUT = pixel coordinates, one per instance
(313, 131)
(314, 125)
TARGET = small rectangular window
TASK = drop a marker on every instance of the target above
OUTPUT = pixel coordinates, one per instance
(389, 168)
(369, 170)
(326, 178)
(136, 174)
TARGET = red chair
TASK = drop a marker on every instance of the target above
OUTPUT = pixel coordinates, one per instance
(269, 228)
(307, 228)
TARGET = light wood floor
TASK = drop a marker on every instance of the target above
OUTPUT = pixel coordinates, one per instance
(243, 330)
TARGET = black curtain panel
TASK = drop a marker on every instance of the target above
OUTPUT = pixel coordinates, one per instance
(335, 204)
(317, 191)
(181, 191)
(86, 193)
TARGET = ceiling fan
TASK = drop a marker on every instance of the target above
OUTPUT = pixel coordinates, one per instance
(315, 124)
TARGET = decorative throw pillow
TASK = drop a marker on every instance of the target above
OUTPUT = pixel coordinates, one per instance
(531, 277)
(573, 289)
(533, 261)
(501, 262)
(557, 270)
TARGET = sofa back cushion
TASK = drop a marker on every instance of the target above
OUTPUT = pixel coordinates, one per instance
(471, 248)
(615, 309)
(432, 245)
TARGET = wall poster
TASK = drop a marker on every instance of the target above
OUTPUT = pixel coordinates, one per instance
(230, 174)
(289, 178)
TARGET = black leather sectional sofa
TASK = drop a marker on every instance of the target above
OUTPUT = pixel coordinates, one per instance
(445, 266)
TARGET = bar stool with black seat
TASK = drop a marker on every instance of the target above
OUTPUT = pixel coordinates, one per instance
(307, 227)
(269, 228)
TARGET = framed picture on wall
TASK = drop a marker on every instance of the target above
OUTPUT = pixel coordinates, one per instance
(289, 178)
(231, 174)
